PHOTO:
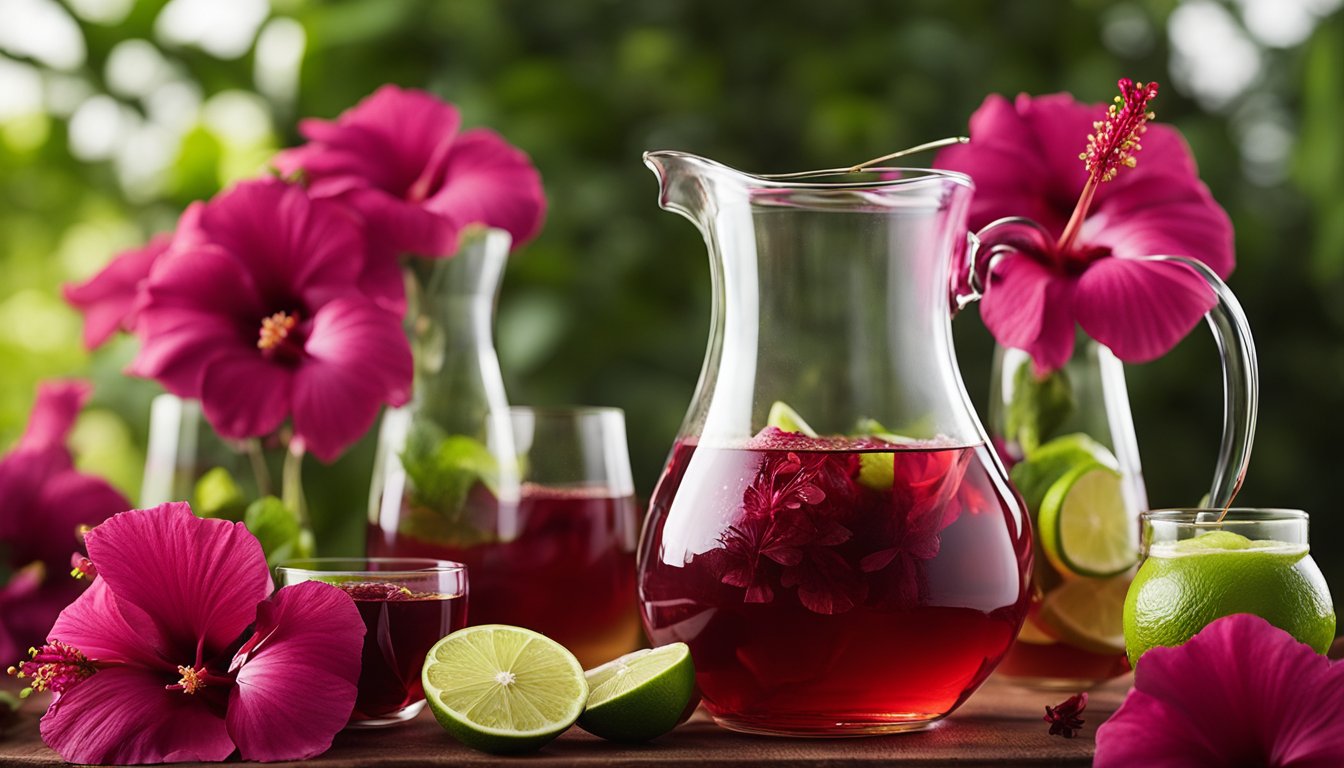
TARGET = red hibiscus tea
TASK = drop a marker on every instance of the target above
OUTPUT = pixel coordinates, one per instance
(407, 604)
(568, 572)
(832, 584)
(401, 626)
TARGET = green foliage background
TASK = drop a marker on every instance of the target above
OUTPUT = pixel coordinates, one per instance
(610, 304)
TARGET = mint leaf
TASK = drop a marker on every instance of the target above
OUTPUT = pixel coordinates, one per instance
(1039, 406)
(443, 470)
(217, 495)
(278, 529)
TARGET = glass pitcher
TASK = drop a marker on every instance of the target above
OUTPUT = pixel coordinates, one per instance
(832, 535)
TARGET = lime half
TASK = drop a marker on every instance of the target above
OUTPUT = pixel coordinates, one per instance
(1086, 529)
(641, 695)
(503, 689)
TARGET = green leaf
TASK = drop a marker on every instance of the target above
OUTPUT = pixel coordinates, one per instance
(1039, 406)
(217, 495)
(279, 530)
(443, 470)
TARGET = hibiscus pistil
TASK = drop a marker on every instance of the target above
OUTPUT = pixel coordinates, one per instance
(54, 667)
(1111, 146)
(277, 338)
(195, 678)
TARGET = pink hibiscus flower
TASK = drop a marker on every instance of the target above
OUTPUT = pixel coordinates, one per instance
(44, 501)
(108, 299)
(1241, 692)
(398, 157)
(261, 311)
(1085, 263)
(154, 662)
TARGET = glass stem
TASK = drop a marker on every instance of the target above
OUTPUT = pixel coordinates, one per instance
(292, 485)
(258, 462)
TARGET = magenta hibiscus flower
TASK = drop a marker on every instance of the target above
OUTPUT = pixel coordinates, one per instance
(398, 157)
(44, 501)
(108, 299)
(262, 312)
(1241, 692)
(154, 662)
(1085, 263)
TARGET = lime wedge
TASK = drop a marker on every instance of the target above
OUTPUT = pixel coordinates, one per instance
(1086, 529)
(1034, 475)
(503, 689)
(787, 419)
(641, 695)
(1088, 613)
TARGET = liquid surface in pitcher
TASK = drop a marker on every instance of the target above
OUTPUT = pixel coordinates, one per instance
(842, 584)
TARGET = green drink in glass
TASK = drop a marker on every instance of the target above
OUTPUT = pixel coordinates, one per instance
(1197, 568)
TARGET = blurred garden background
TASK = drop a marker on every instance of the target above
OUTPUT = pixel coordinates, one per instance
(115, 114)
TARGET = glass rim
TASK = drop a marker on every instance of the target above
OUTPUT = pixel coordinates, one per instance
(1189, 516)
(560, 411)
(414, 566)
(807, 180)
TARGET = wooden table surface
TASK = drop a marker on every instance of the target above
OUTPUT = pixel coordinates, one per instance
(1000, 726)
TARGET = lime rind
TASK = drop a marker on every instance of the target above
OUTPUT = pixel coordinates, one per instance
(641, 695)
(1086, 527)
(503, 689)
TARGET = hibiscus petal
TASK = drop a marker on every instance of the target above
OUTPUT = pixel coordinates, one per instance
(124, 716)
(199, 580)
(357, 359)
(404, 226)
(244, 395)
(1163, 213)
(488, 181)
(305, 669)
(53, 415)
(102, 627)
(1029, 307)
(67, 501)
(1140, 308)
(108, 298)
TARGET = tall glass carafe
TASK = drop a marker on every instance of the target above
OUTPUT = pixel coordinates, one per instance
(832, 535)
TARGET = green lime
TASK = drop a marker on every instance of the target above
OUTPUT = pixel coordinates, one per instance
(787, 419)
(641, 695)
(1182, 587)
(1034, 475)
(1085, 613)
(1084, 524)
(503, 689)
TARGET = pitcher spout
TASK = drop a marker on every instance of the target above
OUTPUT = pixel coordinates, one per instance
(686, 183)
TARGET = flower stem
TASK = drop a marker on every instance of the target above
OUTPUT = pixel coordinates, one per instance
(258, 462)
(291, 485)
(1079, 214)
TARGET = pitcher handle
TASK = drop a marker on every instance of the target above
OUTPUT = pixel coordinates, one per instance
(1227, 321)
(1241, 384)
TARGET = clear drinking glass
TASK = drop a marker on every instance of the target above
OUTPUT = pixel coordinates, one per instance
(1188, 579)
(557, 556)
(407, 605)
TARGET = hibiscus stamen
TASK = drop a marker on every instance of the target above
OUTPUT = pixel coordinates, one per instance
(82, 567)
(276, 335)
(195, 678)
(54, 667)
(1110, 147)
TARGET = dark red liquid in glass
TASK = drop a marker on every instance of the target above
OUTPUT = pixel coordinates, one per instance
(568, 571)
(826, 585)
(400, 627)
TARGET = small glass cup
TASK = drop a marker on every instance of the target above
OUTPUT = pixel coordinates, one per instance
(407, 605)
(1274, 577)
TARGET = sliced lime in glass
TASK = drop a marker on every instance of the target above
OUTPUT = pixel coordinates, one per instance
(503, 689)
(1086, 529)
(783, 417)
(641, 695)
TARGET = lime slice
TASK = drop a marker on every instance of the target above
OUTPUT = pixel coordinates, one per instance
(1086, 529)
(1034, 475)
(641, 695)
(1088, 613)
(1032, 634)
(787, 419)
(503, 689)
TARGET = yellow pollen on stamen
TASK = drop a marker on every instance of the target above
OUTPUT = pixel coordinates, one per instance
(275, 329)
(191, 681)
